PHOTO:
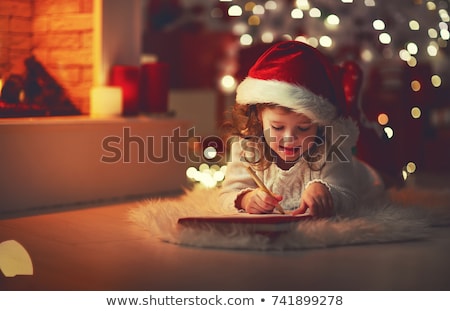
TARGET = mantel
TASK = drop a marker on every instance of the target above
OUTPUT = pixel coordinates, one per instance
(50, 162)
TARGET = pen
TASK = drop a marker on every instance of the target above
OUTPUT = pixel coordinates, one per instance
(264, 188)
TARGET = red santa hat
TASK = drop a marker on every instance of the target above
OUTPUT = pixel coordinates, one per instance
(297, 76)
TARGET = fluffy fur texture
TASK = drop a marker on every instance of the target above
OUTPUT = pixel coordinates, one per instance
(408, 215)
(296, 97)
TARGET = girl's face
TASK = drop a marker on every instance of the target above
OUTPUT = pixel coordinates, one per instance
(289, 134)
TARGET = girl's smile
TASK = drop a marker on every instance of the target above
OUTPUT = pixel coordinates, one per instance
(289, 134)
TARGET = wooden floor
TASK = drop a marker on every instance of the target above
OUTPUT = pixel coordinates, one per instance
(97, 248)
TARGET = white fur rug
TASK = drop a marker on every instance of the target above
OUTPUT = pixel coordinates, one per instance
(408, 215)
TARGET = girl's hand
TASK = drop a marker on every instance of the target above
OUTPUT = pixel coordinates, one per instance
(258, 201)
(318, 199)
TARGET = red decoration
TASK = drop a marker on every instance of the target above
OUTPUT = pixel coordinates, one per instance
(127, 77)
(154, 88)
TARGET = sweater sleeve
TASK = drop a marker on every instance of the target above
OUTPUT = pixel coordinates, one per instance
(237, 180)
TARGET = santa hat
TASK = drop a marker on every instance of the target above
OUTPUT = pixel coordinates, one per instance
(297, 76)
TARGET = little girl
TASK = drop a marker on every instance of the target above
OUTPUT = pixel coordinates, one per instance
(290, 121)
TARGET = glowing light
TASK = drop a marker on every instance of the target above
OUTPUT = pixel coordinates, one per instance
(431, 6)
(332, 19)
(347, 1)
(312, 41)
(286, 36)
(325, 41)
(210, 152)
(384, 38)
(369, 2)
(416, 86)
(249, 6)
(411, 167)
(203, 167)
(432, 33)
(235, 10)
(246, 39)
(445, 34)
(366, 55)
(414, 25)
(270, 5)
(267, 37)
(302, 5)
(436, 80)
(228, 83)
(239, 29)
(315, 12)
(443, 25)
(412, 62)
(443, 14)
(258, 9)
(432, 49)
(378, 24)
(404, 55)
(218, 176)
(297, 13)
(389, 132)
(404, 174)
(254, 20)
(416, 112)
(412, 48)
(383, 119)
(191, 171)
(301, 39)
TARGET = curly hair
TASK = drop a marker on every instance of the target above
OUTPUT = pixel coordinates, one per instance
(245, 123)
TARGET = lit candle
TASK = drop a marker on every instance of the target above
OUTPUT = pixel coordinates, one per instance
(106, 101)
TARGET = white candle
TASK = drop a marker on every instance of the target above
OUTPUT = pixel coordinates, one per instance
(106, 101)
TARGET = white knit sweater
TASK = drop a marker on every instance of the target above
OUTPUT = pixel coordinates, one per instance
(350, 182)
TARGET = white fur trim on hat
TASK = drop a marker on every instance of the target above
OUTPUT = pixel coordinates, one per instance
(296, 97)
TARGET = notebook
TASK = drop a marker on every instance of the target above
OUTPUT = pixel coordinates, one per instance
(256, 223)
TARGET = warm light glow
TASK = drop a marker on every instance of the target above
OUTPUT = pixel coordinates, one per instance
(412, 48)
(190, 172)
(367, 55)
(383, 119)
(436, 80)
(389, 132)
(258, 9)
(414, 25)
(332, 20)
(416, 112)
(369, 2)
(411, 167)
(254, 20)
(404, 55)
(312, 41)
(270, 5)
(347, 1)
(210, 152)
(432, 49)
(378, 24)
(106, 101)
(246, 39)
(325, 41)
(443, 14)
(415, 85)
(240, 29)
(431, 6)
(302, 4)
(445, 34)
(267, 37)
(412, 61)
(249, 6)
(228, 84)
(384, 38)
(432, 33)
(1, 85)
(296, 13)
(315, 12)
(235, 10)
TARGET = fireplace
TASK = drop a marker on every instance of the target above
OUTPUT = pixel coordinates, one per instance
(55, 162)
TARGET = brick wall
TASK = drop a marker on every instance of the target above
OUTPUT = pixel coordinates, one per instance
(59, 33)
